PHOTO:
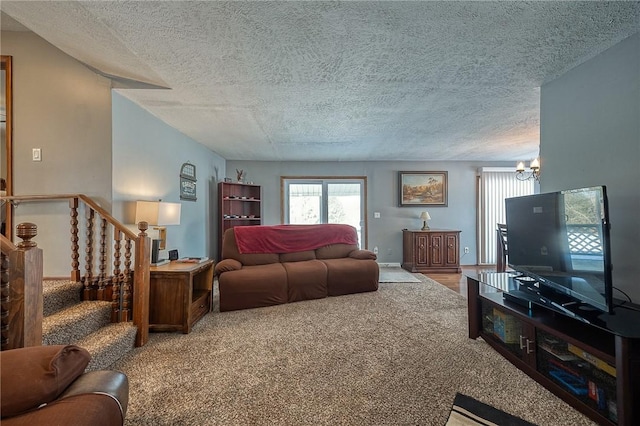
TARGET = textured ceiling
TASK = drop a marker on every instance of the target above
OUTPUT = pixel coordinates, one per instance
(338, 81)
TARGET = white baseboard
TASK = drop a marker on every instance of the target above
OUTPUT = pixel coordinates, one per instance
(389, 265)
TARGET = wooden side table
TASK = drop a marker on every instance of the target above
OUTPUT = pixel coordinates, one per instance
(180, 294)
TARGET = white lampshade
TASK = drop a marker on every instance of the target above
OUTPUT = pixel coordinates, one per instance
(425, 216)
(158, 213)
(535, 164)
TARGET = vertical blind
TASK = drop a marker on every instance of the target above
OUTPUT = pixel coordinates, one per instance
(495, 185)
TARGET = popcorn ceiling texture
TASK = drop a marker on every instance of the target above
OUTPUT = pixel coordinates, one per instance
(339, 80)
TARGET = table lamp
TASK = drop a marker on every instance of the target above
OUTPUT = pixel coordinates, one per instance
(158, 214)
(425, 217)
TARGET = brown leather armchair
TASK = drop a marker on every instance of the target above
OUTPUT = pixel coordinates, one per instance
(48, 385)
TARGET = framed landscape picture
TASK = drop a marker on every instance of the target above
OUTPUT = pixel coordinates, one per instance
(422, 189)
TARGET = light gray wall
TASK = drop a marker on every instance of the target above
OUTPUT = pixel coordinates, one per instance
(147, 157)
(590, 135)
(382, 196)
(64, 109)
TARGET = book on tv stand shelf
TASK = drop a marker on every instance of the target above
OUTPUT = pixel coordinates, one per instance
(192, 259)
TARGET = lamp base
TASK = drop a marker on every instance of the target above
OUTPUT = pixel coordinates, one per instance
(425, 227)
(162, 236)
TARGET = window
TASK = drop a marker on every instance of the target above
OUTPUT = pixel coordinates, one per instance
(310, 200)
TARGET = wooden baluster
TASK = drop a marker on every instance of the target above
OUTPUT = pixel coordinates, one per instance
(103, 259)
(117, 278)
(4, 301)
(75, 247)
(126, 282)
(88, 258)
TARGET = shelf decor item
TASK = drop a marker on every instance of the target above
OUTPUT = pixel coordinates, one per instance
(422, 189)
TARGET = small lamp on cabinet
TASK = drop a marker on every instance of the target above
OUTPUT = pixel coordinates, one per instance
(425, 217)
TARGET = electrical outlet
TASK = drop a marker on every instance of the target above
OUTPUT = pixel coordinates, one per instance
(466, 249)
(36, 154)
(376, 215)
(375, 249)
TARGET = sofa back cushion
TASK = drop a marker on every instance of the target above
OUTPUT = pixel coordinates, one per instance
(335, 251)
(298, 256)
(230, 251)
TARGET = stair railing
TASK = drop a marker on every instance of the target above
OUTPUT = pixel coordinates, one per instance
(21, 290)
(125, 280)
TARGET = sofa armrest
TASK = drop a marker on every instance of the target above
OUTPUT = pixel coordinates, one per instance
(104, 382)
(227, 265)
(36, 375)
(363, 255)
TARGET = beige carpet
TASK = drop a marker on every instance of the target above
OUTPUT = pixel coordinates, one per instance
(395, 274)
(392, 357)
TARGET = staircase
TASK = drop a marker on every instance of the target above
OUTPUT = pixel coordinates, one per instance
(106, 300)
(68, 320)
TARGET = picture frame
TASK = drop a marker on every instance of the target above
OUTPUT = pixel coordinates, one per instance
(422, 189)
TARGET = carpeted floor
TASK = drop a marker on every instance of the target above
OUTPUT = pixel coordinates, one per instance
(392, 357)
(395, 274)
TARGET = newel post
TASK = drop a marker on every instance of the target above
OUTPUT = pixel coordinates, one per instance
(25, 276)
(141, 285)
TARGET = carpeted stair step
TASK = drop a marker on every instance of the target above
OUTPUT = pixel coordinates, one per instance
(60, 294)
(109, 344)
(74, 323)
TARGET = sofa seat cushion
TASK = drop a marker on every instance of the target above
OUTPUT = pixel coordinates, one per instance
(306, 280)
(253, 287)
(347, 276)
(37, 375)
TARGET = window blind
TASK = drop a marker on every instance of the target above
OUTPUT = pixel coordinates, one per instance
(495, 185)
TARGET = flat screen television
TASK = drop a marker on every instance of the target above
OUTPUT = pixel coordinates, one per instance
(560, 242)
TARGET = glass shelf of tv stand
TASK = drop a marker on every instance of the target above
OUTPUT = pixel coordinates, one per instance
(624, 321)
(497, 282)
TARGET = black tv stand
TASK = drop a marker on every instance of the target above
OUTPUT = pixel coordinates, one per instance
(593, 365)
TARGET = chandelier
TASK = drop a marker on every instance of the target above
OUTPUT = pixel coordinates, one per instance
(534, 172)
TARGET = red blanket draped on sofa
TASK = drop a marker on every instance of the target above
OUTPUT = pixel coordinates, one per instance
(291, 238)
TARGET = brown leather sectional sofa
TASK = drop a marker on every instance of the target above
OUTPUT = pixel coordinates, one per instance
(253, 280)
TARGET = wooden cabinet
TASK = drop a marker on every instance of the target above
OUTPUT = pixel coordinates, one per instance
(179, 295)
(594, 366)
(433, 250)
(239, 204)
